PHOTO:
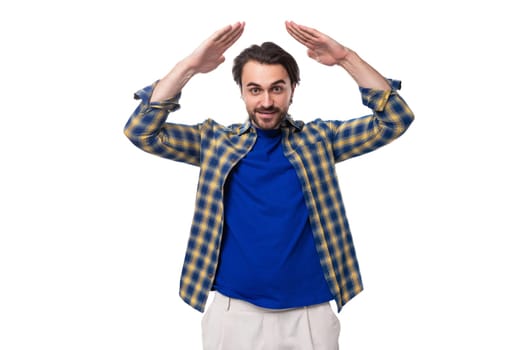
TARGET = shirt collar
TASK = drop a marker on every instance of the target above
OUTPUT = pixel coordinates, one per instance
(287, 122)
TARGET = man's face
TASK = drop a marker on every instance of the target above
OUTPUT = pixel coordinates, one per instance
(267, 92)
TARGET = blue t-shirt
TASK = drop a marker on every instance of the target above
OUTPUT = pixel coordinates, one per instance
(268, 255)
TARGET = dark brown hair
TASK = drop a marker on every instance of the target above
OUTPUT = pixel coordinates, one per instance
(267, 53)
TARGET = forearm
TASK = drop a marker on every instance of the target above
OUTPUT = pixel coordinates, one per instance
(174, 81)
(364, 74)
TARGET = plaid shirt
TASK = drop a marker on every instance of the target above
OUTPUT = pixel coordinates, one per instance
(312, 148)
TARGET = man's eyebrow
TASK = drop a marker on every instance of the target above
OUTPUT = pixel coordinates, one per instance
(277, 82)
(280, 81)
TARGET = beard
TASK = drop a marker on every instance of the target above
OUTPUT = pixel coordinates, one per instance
(267, 118)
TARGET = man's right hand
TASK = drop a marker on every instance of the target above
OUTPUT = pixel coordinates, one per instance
(208, 56)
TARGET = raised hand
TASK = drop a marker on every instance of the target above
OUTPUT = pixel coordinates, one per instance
(329, 52)
(320, 46)
(210, 54)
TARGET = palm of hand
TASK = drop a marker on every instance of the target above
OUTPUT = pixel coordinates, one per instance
(207, 58)
(210, 54)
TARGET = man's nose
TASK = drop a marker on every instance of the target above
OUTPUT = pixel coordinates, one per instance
(267, 100)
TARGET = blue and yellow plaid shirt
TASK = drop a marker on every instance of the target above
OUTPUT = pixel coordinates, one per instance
(313, 149)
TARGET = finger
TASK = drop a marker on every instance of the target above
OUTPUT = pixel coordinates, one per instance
(305, 32)
(296, 33)
(308, 32)
(230, 37)
(303, 40)
(305, 35)
(219, 34)
(235, 34)
(224, 34)
(313, 55)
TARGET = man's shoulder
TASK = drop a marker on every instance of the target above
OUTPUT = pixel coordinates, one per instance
(315, 125)
(309, 133)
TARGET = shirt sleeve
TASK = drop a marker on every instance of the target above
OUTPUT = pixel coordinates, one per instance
(390, 118)
(148, 130)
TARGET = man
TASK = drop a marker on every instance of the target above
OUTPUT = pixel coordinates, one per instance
(269, 233)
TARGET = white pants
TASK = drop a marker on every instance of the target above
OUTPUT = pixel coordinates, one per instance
(232, 324)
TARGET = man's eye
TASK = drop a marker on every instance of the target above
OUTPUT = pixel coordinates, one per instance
(255, 91)
(277, 89)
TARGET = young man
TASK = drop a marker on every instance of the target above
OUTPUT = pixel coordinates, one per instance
(269, 232)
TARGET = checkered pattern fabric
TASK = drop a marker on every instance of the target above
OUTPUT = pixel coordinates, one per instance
(313, 149)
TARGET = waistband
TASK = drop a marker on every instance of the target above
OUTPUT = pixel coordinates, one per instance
(231, 304)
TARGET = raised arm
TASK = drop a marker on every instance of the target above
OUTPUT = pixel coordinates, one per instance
(390, 116)
(208, 56)
(327, 51)
(147, 127)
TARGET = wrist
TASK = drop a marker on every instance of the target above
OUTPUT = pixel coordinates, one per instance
(350, 58)
(185, 68)
(363, 74)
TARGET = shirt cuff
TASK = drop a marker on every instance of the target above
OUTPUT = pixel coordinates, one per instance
(170, 105)
(376, 99)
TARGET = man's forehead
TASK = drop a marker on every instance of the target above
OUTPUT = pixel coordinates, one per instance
(255, 73)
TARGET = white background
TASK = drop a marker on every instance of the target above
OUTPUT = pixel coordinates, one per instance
(93, 230)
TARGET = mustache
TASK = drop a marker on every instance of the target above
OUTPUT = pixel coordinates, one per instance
(267, 110)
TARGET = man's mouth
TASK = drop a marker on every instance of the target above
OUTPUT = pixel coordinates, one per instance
(267, 113)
